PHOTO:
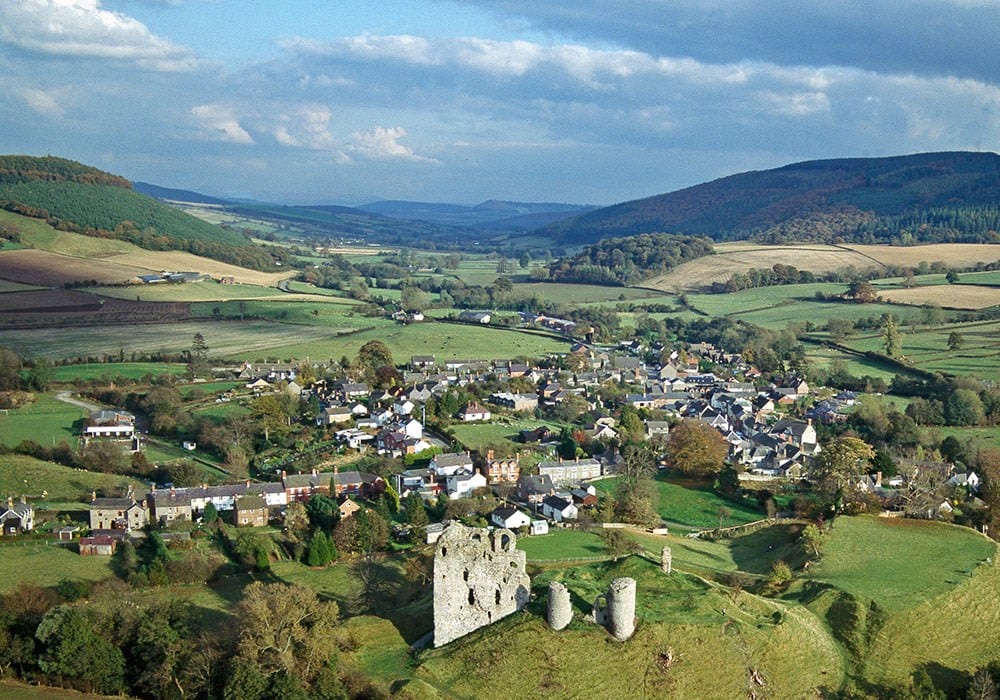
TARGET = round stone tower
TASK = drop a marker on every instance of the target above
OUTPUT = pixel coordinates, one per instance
(617, 613)
(560, 611)
(666, 560)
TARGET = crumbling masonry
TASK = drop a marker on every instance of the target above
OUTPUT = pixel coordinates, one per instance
(666, 560)
(560, 612)
(617, 612)
(479, 578)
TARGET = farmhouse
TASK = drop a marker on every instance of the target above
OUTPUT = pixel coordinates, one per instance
(16, 518)
(558, 509)
(474, 412)
(117, 514)
(250, 511)
(569, 472)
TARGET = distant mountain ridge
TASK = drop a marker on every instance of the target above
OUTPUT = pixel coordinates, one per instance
(175, 195)
(493, 214)
(948, 196)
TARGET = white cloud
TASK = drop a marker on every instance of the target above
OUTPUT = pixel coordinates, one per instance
(382, 143)
(42, 102)
(795, 104)
(217, 123)
(82, 29)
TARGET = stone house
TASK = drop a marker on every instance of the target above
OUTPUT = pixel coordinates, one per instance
(558, 509)
(117, 514)
(509, 517)
(250, 511)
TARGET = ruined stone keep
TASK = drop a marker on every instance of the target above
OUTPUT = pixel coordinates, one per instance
(615, 610)
(479, 578)
(666, 560)
(560, 612)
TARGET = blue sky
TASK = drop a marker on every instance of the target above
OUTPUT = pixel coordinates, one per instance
(594, 101)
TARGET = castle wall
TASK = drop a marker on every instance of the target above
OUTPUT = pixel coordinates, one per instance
(479, 578)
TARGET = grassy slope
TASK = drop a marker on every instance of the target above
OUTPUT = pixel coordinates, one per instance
(522, 657)
(20, 474)
(905, 562)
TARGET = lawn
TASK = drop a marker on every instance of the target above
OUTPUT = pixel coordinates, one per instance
(562, 544)
(473, 436)
(20, 474)
(693, 503)
(898, 563)
(47, 421)
(47, 565)
(19, 691)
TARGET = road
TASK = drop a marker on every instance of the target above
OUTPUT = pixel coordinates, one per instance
(67, 397)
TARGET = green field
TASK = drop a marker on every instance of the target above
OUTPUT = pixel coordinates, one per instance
(47, 565)
(47, 421)
(693, 504)
(562, 544)
(19, 691)
(20, 474)
(902, 562)
(473, 436)
(104, 371)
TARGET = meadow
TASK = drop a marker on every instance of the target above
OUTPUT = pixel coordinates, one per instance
(23, 475)
(46, 421)
(473, 436)
(905, 561)
(47, 565)
(111, 371)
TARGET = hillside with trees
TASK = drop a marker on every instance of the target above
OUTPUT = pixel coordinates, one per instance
(625, 261)
(74, 197)
(922, 198)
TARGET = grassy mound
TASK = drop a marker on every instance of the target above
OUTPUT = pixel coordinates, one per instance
(692, 640)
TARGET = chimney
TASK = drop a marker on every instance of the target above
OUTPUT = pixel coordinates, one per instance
(247, 483)
(283, 475)
(878, 479)
(489, 455)
(314, 472)
(93, 495)
(152, 487)
(173, 492)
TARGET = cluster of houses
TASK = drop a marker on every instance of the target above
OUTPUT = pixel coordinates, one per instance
(166, 277)
(251, 503)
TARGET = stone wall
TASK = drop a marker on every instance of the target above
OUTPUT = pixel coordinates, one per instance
(479, 578)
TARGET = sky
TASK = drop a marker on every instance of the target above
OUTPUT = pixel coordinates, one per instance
(585, 101)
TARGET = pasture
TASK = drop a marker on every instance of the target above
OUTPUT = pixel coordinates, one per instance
(191, 291)
(951, 254)
(111, 371)
(560, 545)
(46, 565)
(40, 267)
(46, 421)
(952, 296)
(897, 562)
(741, 257)
(23, 475)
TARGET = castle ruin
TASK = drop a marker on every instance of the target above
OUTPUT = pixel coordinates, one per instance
(560, 611)
(479, 578)
(615, 610)
(666, 560)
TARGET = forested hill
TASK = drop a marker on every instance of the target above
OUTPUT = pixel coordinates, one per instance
(629, 260)
(79, 198)
(927, 197)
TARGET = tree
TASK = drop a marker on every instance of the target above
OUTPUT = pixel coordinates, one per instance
(373, 356)
(617, 544)
(210, 515)
(285, 629)
(837, 466)
(811, 539)
(73, 651)
(955, 341)
(318, 553)
(964, 407)
(198, 357)
(40, 375)
(695, 447)
(416, 515)
(323, 512)
(983, 687)
(10, 370)
(862, 293)
(951, 277)
(636, 495)
(891, 337)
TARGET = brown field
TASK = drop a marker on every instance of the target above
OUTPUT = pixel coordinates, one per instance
(953, 296)
(156, 260)
(44, 300)
(42, 267)
(953, 254)
(740, 257)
